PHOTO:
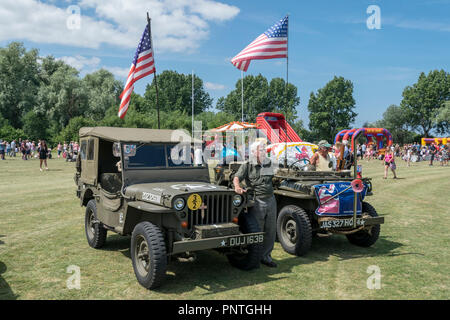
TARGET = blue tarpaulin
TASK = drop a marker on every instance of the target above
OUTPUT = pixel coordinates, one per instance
(341, 205)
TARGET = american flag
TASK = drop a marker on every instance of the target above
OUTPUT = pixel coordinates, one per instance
(143, 65)
(271, 44)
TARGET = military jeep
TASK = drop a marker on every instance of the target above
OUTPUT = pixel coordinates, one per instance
(297, 219)
(141, 182)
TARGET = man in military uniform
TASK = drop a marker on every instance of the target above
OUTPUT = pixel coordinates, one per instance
(257, 174)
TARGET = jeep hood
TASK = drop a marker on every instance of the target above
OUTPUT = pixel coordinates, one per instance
(163, 193)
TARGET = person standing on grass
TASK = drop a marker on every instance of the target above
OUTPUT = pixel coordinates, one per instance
(445, 155)
(23, 150)
(433, 151)
(257, 174)
(389, 162)
(43, 150)
(2, 150)
(65, 149)
(13, 149)
(59, 148)
(408, 156)
(28, 155)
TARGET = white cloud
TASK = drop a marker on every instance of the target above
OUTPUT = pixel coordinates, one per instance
(88, 65)
(422, 25)
(214, 86)
(80, 62)
(177, 25)
(118, 72)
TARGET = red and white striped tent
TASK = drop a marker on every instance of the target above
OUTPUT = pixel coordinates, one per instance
(235, 126)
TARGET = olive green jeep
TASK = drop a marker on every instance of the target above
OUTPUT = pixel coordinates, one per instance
(297, 204)
(141, 182)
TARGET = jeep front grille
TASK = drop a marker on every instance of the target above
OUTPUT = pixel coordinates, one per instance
(218, 210)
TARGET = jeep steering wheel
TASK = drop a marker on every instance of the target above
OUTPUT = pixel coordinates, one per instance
(297, 168)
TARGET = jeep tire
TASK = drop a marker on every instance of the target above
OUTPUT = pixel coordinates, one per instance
(95, 232)
(148, 254)
(294, 230)
(366, 237)
(249, 256)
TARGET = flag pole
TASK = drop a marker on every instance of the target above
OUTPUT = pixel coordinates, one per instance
(192, 103)
(286, 89)
(153, 52)
(242, 96)
(287, 61)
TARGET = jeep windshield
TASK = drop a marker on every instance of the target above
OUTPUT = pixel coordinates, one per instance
(137, 156)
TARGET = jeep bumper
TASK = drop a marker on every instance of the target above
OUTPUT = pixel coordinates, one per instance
(218, 242)
(336, 223)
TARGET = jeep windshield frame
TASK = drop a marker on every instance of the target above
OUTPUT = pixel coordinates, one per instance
(158, 156)
(160, 173)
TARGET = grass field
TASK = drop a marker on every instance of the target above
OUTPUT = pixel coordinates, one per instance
(42, 233)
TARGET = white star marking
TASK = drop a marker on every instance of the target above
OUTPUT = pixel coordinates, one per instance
(222, 243)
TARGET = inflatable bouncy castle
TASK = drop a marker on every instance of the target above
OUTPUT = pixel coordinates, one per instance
(426, 141)
(375, 134)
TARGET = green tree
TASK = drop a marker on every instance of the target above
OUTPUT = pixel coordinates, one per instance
(283, 100)
(331, 109)
(443, 119)
(19, 82)
(260, 96)
(35, 126)
(423, 101)
(395, 120)
(302, 132)
(49, 65)
(175, 93)
(211, 120)
(103, 91)
(71, 131)
(8, 132)
(62, 96)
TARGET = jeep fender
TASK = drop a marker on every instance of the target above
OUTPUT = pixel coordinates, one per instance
(86, 195)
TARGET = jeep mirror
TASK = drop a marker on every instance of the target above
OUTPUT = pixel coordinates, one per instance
(116, 149)
(129, 150)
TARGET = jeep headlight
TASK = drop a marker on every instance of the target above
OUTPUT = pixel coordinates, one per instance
(237, 200)
(178, 204)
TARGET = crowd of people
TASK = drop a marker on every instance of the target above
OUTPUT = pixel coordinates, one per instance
(29, 149)
(412, 152)
(408, 152)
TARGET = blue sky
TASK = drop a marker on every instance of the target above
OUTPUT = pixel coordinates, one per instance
(326, 38)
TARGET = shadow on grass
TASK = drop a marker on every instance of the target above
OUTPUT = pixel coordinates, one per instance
(2, 236)
(339, 246)
(6, 292)
(209, 271)
(212, 272)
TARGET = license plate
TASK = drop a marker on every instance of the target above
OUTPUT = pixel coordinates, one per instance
(245, 240)
(341, 223)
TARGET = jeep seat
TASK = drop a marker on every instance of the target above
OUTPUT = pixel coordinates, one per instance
(111, 182)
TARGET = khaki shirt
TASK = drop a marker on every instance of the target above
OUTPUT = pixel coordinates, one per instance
(257, 177)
